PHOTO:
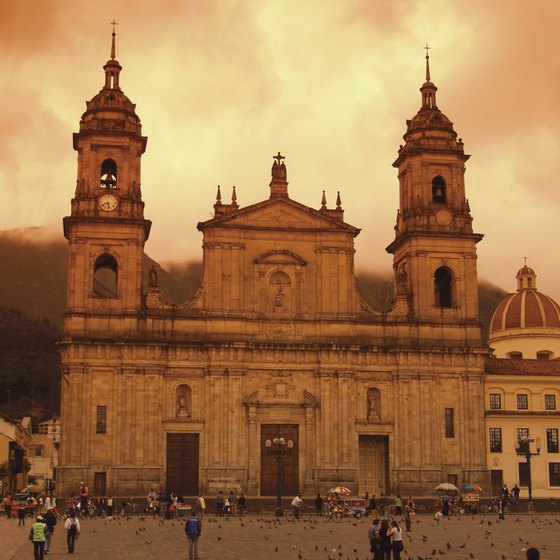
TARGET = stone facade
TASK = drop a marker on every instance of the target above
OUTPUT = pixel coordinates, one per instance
(276, 360)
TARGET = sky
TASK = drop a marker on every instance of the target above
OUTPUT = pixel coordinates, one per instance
(222, 86)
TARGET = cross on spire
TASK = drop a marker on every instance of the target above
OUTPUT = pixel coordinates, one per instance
(113, 23)
(427, 48)
(525, 259)
(279, 157)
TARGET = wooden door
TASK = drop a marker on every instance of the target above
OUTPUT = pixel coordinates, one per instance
(99, 484)
(289, 457)
(373, 469)
(496, 481)
(182, 464)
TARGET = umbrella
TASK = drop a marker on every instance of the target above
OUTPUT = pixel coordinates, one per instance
(473, 488)
(447, 487)
(340, 490)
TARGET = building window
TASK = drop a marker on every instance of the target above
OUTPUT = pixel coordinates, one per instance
(543, 355)
(523, 474)
(552, 440)
(438, 190)
(105, 277)
(522, 433)
(495, 440)
(515, 355)
(495, 401)
(522, 402)
(108, 174)
(39, 451)
(554, 474)
(550, 402)
(101, 423)
(449, 423)
(443, 287)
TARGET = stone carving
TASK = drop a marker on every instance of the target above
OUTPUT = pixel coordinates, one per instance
(183, 401)
(152, 278)
(279, 299)
(373, 405)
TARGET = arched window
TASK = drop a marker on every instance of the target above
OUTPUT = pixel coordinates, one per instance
(443, 287)
(183, 401)
(439, 190)
(108, 174)
(105, 277)
(515, 355)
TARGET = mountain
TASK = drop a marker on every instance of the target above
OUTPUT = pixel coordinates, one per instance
(33, 279)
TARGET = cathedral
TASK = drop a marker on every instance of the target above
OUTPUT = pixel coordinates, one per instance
(276, 373)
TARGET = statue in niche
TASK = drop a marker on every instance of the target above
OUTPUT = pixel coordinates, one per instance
(373, 405)
(183, 402)
(152, 278)
(279, 298)
(401, 282)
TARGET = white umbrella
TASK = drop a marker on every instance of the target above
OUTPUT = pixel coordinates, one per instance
(447, 487)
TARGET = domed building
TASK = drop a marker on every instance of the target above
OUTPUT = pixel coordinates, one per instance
(526, 324)
(522, 391)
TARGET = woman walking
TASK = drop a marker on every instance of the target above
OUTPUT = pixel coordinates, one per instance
(385, 541)
(72, 526)
(375, 540)
(395, 532)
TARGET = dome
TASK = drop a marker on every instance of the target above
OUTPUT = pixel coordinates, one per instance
(527, 308)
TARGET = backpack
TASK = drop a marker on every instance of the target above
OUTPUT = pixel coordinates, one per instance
(73, 529)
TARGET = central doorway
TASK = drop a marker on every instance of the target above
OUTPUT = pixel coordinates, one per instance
(374, 464)
(182, 464)
(289, 458)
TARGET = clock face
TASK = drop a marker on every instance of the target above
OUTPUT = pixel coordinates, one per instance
(108, 202)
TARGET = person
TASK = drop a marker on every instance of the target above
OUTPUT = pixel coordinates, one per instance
(373, 505)
(242, 502)
(398, 504)
(298, 505)
(220, 501)
(37, 535)
(110, 506)
(21, 512)
(7, 502)
(319, 504)
(200, 506)
(47, 503)
(515, 491)
(385, 540)
(408, 511)
(232, 498)
(72, 526)
(503, 506)
(375, 540)
(50, 522)
(533, 554)
(445, 503)
(397, 545)
(193, 529)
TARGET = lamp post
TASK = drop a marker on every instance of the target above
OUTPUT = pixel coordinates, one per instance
(523, 449)
(279, 447)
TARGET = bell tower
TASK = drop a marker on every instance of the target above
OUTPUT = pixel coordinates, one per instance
(434, 250)
(106, 230)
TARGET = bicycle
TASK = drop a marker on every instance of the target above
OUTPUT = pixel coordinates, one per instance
(125, 509)
(492, 508)
(333, 515)
(290, 515)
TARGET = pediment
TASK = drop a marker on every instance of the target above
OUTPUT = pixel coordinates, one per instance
(280, 214)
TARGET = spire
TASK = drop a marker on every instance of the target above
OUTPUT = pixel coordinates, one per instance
(428, 89)
(324, 201)
(218, 196)
(427, 62)
(338, 201)
(112, 68)
(113, 50)
(234, 198)
(526, 278)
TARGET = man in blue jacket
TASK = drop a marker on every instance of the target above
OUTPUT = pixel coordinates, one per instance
(193, 529)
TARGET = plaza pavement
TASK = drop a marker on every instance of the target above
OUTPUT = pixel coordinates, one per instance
(260, 537)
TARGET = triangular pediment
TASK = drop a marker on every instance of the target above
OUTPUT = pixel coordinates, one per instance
(279, 214)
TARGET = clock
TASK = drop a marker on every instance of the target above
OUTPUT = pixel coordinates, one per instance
(108, 202)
